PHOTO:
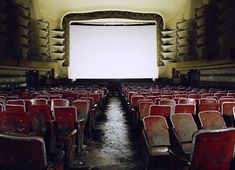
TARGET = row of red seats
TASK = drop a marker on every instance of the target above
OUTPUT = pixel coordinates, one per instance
(185, 146)
(58, 128)
(174, 128)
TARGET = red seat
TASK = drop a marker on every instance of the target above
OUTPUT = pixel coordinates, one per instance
(42, 123)
(12, 97)
(19, 102)
(196, 96)
(180, 95)
(169, 102)
(16, 102)
(184, 127)
(82, 94)
(166, 96)
(135, 99)
(143, 109)
(212, 149)
(42, 97)
(211, 120)
(59, 102)
(15, 122)
(206, 95)
(208, 104)
(219, 94)
(26, 152)
(38, 101)
(156, 138)
(55, 96)
(187, 101)
(227, 112)
(163, 110)
(84, 114)
(1, 107)
(152, 97)
(66, 127)
(14, 108)
(185, 108)
(133, 109)
(232, 94)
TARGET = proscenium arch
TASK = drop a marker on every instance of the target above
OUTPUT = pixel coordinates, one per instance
(109, 14)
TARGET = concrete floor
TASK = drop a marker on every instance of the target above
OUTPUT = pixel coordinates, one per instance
(113, 145)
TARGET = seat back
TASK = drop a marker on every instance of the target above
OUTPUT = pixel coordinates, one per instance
(222, 100)
(206, 95)
(90, 99)
(180, 95)
(232, 94)
(82, 94)
(144, 107)
(163, 110)
(59, 102)
(12, 97)
(219, 94)
(184, 126)
(96, 98)
(39, 115)
(169, 102)
(185, 108)
(83, 108)
(135, 99)
(227, 108)
(211, 120)
(38, 101)
(130, 94)
(22, 152)
(15, 122)
(1, 107)
(156, 130)
(167, 96)
(16, 102)
(55, 96)
(42, 97)
(208, 104)
(14, 108)
(65, 117)
(187, 101)
(152, 97)
(213, 149)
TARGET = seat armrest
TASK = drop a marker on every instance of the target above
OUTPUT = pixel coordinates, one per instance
(133, 109)
(146, 141)
(80, 121)
(58, 162)
(67, 136)
(179, 156)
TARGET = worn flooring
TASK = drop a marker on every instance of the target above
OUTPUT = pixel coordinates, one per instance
(114, 145)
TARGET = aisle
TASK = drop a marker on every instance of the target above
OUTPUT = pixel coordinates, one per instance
(113, 146)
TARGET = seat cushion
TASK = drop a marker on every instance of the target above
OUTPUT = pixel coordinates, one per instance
(163, 150)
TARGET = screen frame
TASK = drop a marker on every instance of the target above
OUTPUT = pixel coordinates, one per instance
(73, 17)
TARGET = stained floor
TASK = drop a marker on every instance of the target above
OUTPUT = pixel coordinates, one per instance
(114, 145)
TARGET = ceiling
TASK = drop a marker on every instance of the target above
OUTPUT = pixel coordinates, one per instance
(53, 11)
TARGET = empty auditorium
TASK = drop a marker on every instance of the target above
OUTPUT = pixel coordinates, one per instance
(117, 85)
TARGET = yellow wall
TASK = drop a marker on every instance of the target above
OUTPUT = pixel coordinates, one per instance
(172, 11)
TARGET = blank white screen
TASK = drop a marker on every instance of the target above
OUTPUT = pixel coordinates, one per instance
(113, 52)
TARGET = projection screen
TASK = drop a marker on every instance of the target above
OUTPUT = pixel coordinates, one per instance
(113, 52)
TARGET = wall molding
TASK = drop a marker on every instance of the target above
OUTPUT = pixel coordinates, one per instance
(105, 15)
